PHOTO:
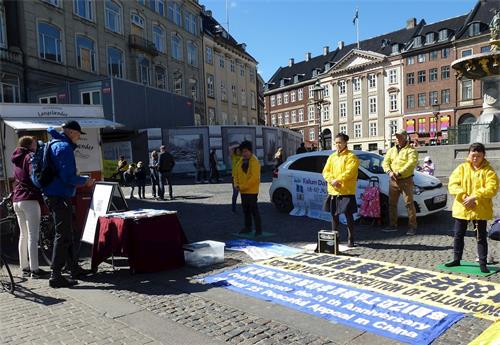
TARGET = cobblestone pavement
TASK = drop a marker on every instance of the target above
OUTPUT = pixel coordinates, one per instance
(152, 304)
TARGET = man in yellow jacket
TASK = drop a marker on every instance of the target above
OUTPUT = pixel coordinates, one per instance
(399, 163)
(247, 181)
(474, 184)
(341, 174)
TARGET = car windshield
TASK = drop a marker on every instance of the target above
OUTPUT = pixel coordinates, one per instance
(371, 162)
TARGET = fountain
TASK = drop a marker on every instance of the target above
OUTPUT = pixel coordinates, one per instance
(485, 67)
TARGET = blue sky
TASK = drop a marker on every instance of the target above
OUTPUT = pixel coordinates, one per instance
(276, 30)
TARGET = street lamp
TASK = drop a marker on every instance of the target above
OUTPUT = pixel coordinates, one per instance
(318, 99)
(435, 112)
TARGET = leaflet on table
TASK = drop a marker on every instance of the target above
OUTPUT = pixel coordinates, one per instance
(140, 213)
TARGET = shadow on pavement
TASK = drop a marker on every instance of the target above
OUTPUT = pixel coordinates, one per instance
(29, 295)
(375, 245)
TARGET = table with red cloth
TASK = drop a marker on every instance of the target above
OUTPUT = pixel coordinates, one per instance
(151, 244)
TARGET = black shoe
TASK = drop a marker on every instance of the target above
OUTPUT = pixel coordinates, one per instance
(484, 268)
(59, 282)
(245, 231)
(453, 263)
(39, 274)
(80, 272)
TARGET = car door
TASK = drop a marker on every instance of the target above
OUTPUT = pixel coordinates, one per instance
(310, 167)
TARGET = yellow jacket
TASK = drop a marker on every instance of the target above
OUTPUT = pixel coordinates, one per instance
(234, 160)
(343, 167)
(247, 182)
(482, 183)
(403, 162)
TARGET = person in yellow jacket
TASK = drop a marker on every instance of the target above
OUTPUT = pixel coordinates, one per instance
(341, 174)
(474, 184)
(235, 157)
(247, 181)
(399, 163)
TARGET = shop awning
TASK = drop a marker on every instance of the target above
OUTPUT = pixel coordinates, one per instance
(43, 123)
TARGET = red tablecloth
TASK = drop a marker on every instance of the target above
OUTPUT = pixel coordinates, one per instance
(151, 244)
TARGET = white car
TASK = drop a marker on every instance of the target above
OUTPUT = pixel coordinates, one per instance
(429, 194)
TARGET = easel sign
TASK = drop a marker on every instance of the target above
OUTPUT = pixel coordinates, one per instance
(106, 197)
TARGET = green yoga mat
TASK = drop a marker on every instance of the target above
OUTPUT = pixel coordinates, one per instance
(252, 234)
(468, 267)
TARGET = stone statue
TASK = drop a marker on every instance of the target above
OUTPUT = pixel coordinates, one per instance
(495, 26)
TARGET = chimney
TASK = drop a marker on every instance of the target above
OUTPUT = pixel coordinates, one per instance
(291, 62)
(326, 50)
(341, 44)
(411, 23)
(209, 13)
(308, 56)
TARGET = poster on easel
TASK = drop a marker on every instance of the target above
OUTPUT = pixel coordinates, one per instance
(106, 197)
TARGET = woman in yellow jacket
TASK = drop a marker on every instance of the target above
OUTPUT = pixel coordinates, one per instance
(341, 174)
(474, 184)
(247, 181)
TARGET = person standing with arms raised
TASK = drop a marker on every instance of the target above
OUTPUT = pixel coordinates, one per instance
(399, 163)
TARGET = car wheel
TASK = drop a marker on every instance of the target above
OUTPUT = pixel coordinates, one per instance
(384, 209)
(282, 199)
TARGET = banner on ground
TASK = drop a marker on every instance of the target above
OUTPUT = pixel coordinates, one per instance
(481, 298)
(410, 322)
(261, 250)
(491, 336)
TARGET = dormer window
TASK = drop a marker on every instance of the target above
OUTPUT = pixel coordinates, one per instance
(295, 78)
(429, 38)
(417, 41)
(443, 35)
(314, 72)
(474, 29)
(282, 82)
(395, 48)
(327, 66)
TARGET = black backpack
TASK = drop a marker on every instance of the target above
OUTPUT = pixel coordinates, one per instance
(42, 170)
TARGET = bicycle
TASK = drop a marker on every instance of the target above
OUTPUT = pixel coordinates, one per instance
(6, 278)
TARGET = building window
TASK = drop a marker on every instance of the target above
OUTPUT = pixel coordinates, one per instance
(310, 91)
(273, 119)
(174, 12)
(243, 97)
(48, 100)
(421, 125)
(292, 96)
(443, 35)
(83, 8)
(357, 107)
(116, 62)
(395, 48)
(301, 115)
(91, 97)
(300, 94)
(234, 95)
(326, 91)
(9, 88)
(445, 53)
(287, 118)
(221, 61)
(161, 77)
(372, 81)
(343, 109)
(223, 93)
(273, 100)
(410, 78)
(421, 77)
(312, 134)
(253, 100)
(179, 84)
(433, 74)
(467, 52)
(176, 47)
(393, 76)
(445, 96)
(192, 54)
(210, 87)
(466, 89)
(342, 87)
(144, 70)
(113, 15)
(137, 20)
(85, 54)
(373, 105)
(433, 98)
(474, 29)
(485, 49)
(232, 66)
(393, 125)
(343, 129)
(310, 113)
(159, 38)
(209, 55)
(410, 101)
(356, 84)
(285, 98)
(433, 55)
(211, 116)
(373, 129)
(421, 99)
(429, 38)
(242, 71)
(357, 130)
(280, 119)
(158, 6)
(421, 58)
(325, 110)
(417, 41)
(278, 99)
(294, 116)
(190, 22)
(372, 147)
(224, 117)
(393, 102)
(445, 72)
(49, 42)
(252, 73)
(3, 30)
(410, 60)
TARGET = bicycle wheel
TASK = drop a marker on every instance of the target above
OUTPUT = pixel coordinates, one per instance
(46, 241)
(6, 279)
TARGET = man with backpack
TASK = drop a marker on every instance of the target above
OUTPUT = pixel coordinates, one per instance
(166, 163)
(60, 159)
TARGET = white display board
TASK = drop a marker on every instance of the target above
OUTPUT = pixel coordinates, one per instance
(105, 197)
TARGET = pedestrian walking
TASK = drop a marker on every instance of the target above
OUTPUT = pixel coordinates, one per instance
(247, 181)
(58, 193)
(301, 149)
(129, 179)
(474, 185)
(278, 158)
(27, 200)
(341, 174)
(166, 163)
(140, 179)
(201, 172)
(153, 173)
(214, 172)
(399, 163)
(235, 157)
(121, 167)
